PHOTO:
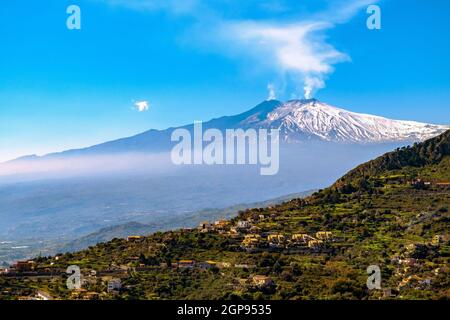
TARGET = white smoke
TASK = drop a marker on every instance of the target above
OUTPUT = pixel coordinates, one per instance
(311, 85)
(297, 50)
(272, 93)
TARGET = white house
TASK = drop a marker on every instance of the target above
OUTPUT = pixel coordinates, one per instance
(114, 285)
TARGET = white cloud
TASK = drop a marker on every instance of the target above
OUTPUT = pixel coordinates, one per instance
(297, 50)
(142, 106)
(289, 45)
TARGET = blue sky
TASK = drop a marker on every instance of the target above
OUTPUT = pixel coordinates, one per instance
(195, 60)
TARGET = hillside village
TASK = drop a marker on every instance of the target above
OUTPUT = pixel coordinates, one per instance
(246, 232)
(391, 212)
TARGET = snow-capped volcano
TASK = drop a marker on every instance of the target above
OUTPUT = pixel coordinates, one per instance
(298, 121)
(311, 119)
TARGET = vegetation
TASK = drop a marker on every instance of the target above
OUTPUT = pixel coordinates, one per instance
(392, 212)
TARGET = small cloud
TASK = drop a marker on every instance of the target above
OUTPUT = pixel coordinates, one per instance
(142, 106)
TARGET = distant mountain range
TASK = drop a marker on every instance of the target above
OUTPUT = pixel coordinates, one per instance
(298, 121)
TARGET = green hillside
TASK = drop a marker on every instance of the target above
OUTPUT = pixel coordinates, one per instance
(428, 153)
(392, 212)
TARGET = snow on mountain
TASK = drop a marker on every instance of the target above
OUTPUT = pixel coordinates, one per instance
(298, 121)
(313, 120)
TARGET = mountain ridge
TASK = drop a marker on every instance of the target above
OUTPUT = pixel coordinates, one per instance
(298, 120)
(429, 152)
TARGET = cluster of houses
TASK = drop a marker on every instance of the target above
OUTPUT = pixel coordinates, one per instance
(221, 226)
(39, 295)
(415, 282)
(259, 282)
(204, 265)
(23, 266)
(281, 241)
(190, 264)
(408, 280)
(225, 227)
(407, 264)
(135, 239)
(437, 240)
(114, 286)
(19, 267)
(419, 183)
(254, 238)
